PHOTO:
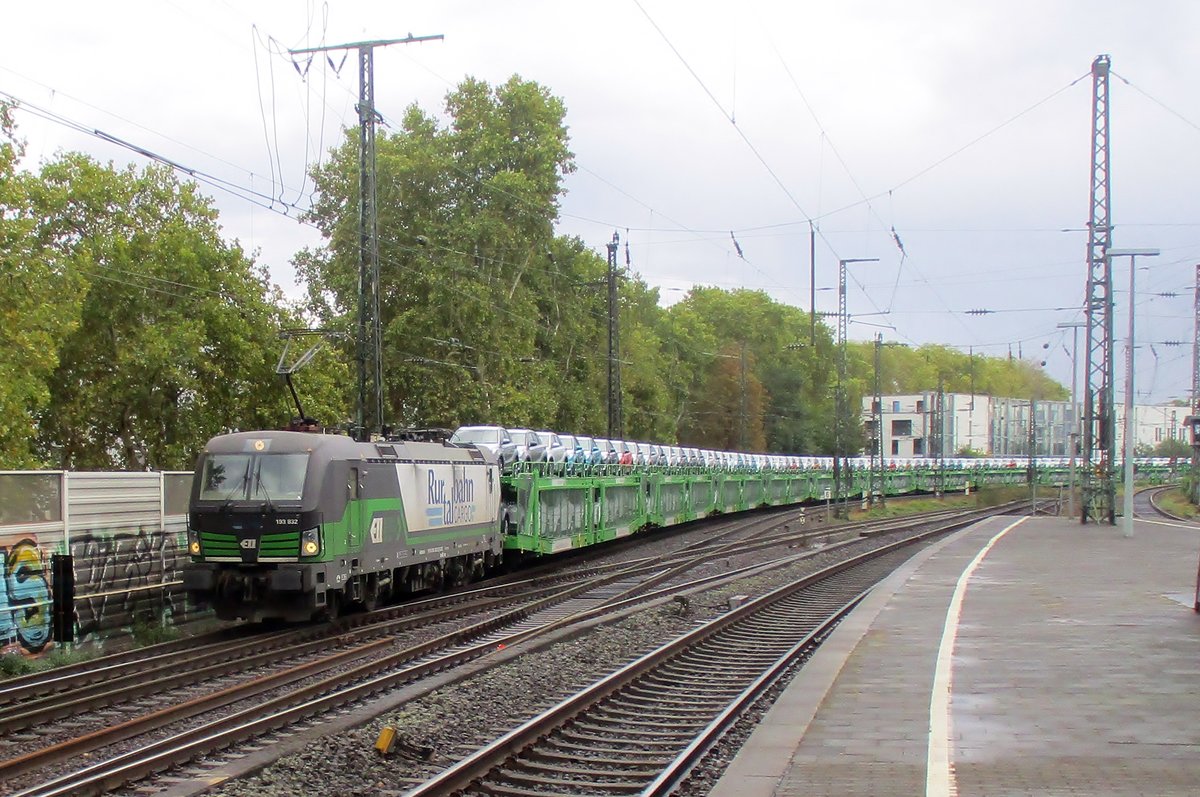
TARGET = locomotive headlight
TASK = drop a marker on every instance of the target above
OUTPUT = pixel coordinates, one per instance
(193, 542)
(310, 542)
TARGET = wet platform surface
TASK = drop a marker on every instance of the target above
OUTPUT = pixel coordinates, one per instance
(1064, 660)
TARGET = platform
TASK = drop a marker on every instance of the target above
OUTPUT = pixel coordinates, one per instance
(1064, 661)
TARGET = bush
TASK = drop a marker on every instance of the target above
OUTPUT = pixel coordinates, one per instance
(152, 632)
(16, 664)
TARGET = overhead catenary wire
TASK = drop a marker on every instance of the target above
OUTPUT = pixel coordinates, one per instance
(269, 197)
(746, 139)
(867, 200)
(958, 151)
(239, 191)
(271, 156)
(226, 185)
(1157, 102)
(728, 116)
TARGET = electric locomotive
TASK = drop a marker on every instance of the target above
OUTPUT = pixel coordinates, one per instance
(286, 525)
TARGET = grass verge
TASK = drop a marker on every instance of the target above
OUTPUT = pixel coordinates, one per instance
(14, 664)
(1176, 502)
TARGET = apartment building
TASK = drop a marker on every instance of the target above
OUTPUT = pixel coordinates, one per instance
(1000, 427)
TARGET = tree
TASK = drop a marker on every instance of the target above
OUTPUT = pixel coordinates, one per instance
(1173, 448)
(917, 370)
(177, 331)
(795, 378)
(39, 305)
(487, 315)
(729, 416)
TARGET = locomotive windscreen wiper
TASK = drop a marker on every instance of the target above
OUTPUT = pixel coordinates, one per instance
(243, 485)
(270, 504)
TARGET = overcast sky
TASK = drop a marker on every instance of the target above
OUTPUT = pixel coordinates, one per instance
(965, 126)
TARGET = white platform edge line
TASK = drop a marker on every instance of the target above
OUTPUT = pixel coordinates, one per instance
(939, 775)
(1170, 523)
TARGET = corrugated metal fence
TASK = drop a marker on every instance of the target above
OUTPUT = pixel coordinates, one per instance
(115, 542)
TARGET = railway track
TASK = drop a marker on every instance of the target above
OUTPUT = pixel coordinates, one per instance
(310, 688)
(642, 728)
(1145, 504)
(128, 675)
(126, 678)
(540, 607)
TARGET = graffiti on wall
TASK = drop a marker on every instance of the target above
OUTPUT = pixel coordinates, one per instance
(118, 576)
(24, 597)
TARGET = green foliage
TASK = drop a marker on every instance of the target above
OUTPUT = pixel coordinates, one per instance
(487, 315)
(902, 507)
(994, 496)
(151, 631)
(1178, 449)
(131, 331)
(908, 370)
(1177, 502)
(788, 384)
(15, 664)
(39, 305)
(176, 336)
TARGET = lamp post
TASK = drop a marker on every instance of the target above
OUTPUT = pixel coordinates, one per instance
(839, 400)
(1127, 507)
(1073, 435)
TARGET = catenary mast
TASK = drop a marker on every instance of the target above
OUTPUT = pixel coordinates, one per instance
(1099, 426)
(369, 342)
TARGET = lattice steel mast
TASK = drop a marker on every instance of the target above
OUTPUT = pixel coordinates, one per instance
(939, 436)
(840, 461)
(1099, 427)
(370, 337)
(1195, 491)
(616, 424)
(877, 468)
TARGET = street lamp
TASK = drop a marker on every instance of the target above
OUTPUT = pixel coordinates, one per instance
(1073, 435)
(1132, 254)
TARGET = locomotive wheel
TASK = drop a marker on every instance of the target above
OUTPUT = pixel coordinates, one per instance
(371, 596)
(333, 605)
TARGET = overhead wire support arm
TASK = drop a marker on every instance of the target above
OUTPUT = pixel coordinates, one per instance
(409, 39)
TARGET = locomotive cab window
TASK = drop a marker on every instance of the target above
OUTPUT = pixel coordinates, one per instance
(253, 477)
